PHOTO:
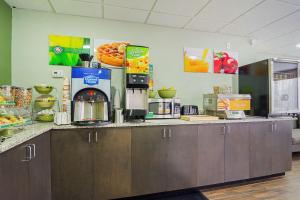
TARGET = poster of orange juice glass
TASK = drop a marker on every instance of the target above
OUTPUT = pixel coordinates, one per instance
(197, 60)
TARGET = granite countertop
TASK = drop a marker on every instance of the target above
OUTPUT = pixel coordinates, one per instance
(37, 129)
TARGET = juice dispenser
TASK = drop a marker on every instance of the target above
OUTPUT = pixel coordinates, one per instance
(136, 82)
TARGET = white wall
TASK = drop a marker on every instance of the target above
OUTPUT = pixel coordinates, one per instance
(30, 50)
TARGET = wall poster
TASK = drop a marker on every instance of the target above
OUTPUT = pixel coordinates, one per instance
(65, 50)
(109, 52)
(197, 60)
(225, 62)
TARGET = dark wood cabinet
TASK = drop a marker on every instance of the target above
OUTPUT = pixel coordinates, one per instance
(237, 152)
(72, 164)
(25, 171)
(112, 163)
(182, 160)
(148, 158)
(40, 168)
(164, 158)
(211, 154)
(14, 174)
(91, 164)
(281, 146)
(260, 149)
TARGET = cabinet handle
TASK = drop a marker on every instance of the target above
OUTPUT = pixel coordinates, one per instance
(224, 130)
(96, 136)
(34, 152)
(169, 133)
(89, 137)
(275, 127)
(164, 135)
(28, 148)
(272, 127)
(228, 129)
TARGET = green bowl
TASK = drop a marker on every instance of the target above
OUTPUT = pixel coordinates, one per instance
(152, 94)
(45, 118)
(45, 104)
(43, 89)
(7, 133)
(166, 94)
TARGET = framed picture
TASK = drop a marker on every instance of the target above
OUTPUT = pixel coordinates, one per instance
(225, 62)
(197, 60)
(65, 50)
(110, 52)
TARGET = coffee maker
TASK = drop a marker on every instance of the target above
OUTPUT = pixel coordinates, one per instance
(136, 82)
(90, 95)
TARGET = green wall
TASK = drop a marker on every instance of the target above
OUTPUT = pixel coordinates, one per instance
(5, 43)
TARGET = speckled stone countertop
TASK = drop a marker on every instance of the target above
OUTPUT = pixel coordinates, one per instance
(37, 129)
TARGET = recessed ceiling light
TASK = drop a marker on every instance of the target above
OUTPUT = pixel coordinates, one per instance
(298, 45)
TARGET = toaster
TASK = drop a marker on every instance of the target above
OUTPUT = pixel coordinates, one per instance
(189, 110)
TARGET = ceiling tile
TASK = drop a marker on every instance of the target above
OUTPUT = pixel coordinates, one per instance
(180, 7)
(42, 5)
(81, 8)
(265, 13)
(167, 20)
(295, 2)
(137, 4)
(292, 38)
(125, 14)
(278, 28)
(218, 13)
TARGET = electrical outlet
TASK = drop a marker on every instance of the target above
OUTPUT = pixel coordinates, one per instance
(58, 73)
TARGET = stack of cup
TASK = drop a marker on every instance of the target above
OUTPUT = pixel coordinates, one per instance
(66, 103)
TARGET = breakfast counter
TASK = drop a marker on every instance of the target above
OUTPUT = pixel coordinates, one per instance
(37, 129)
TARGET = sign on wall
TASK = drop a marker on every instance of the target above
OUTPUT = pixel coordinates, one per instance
(65, 50)
(225, 62)
(109, 52)
(197, 60)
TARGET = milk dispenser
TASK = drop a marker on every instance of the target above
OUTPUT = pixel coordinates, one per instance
(136, 82)
(90, 95)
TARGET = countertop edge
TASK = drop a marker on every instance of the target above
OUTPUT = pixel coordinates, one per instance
(35, 130)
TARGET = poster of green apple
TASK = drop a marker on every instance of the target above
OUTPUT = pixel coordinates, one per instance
(225, 62)
(65, 50)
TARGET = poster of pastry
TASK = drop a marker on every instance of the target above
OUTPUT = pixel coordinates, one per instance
(65, 50)
(197, 60)
(137, 59)
(225, 62)
(109, 52)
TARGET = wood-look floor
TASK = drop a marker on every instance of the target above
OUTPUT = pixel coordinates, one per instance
(279, 188)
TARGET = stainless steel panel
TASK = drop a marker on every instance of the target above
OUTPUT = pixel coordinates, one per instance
(87, 111)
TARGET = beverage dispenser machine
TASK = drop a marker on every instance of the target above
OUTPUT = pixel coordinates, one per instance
(136, 82)
(90, 95)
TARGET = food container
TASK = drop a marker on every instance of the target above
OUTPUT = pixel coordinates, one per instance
(167, 94)
(43, 89)
(6, 92)
(45, 101)
(45, 118)
(22, 96)
(62, 118)
(152, 94)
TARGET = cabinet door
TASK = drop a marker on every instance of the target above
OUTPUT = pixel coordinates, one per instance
(281, 147)
(112, 163)
(211, 154)
(72, 165)
(39, 169)
(237, 152)
(182, 159)
(14, 177)
(260, 149)
(148, 160)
